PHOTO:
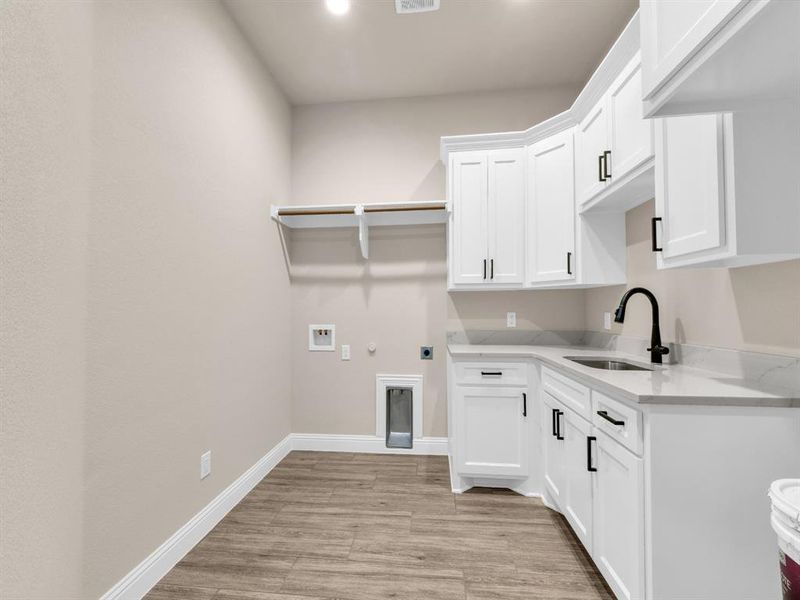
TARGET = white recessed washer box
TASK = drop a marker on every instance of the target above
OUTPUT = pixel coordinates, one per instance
(322, 338)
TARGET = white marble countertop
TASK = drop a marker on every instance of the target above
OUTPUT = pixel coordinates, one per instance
(665, 384)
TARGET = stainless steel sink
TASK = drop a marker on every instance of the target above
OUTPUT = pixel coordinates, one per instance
(608, 364)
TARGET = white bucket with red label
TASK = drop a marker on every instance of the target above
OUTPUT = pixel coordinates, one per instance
(785, 519)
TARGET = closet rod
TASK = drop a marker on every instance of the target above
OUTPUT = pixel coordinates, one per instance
(367, 209)
(302, 213)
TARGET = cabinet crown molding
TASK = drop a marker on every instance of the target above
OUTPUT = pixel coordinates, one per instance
(623, 50)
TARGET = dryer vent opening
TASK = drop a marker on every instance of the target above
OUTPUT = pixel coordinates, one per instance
(399, 417)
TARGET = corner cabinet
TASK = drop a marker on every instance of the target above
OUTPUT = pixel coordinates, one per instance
(614, 146)
(487, 193)
(726, 189)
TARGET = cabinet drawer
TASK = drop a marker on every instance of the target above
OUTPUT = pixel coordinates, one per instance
(491, 373)
(571, 393)
(619, 421)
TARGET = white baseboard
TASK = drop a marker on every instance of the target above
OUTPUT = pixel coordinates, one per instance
(321, 442)
(144, 576)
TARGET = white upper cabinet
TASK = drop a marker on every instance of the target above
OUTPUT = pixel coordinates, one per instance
(506, 216)
(591, 153)
(726, 189)
(707, 56)
(612, 144)
(470, 232)
(672, 31)
(630, 134)
(488, 204)
(551, 209)
(691, 187)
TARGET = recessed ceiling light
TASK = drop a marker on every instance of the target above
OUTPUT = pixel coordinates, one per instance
(338, 7)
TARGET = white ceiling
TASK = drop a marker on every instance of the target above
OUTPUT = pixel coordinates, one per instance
(466, 46)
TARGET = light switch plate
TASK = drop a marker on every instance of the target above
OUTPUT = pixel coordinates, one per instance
(607, 320)
(345, 351)
(511, 319)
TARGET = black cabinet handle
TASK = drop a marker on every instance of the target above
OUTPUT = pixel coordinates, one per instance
(555, 419)
(653, 222)
(606, 156)
(589, 440)
(492, 269)
(492, 373)
(600, 168)
(558, 425)
(569, 263)
(524, 404)
(611, 420)
(484, 268)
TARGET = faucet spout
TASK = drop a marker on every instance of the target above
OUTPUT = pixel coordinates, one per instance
(656, 349)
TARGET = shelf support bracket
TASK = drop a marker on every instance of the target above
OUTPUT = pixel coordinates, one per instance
(363, 231)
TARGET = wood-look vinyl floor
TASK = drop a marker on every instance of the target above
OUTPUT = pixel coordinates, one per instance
(336, 526)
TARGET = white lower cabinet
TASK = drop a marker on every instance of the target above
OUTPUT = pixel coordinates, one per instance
(492, 431)
(618, 540)
(489, 407)
(667, 499)
(553, 450)
(578, 501)
(597, 484)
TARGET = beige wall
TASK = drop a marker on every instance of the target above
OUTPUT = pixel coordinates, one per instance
(45, 71)
(145, 297)
(389, 151)
(748, 308)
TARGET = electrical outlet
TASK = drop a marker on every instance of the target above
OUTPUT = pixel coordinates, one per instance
(511, 319)
(205, 464)
(345, 351)
(607, 320)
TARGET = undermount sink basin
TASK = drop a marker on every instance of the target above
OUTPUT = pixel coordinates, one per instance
(608, 364)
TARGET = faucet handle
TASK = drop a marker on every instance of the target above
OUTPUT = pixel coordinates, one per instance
(660, 349)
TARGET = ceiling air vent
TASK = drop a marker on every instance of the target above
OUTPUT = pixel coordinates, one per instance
(406, 7)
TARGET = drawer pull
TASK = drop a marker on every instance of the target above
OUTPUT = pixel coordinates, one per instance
(524, 404)
(492, 373)
(555, 419)
(589, 467)
(611, 420)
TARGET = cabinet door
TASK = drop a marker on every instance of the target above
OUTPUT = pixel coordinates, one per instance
(631, 134)
(577, 505)
(470, 229)
(690, 190)
(618, 517)
(671, 32)
(551, 209)
(491, 431)
(506, 216)
(554, 475)
(591, 141)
